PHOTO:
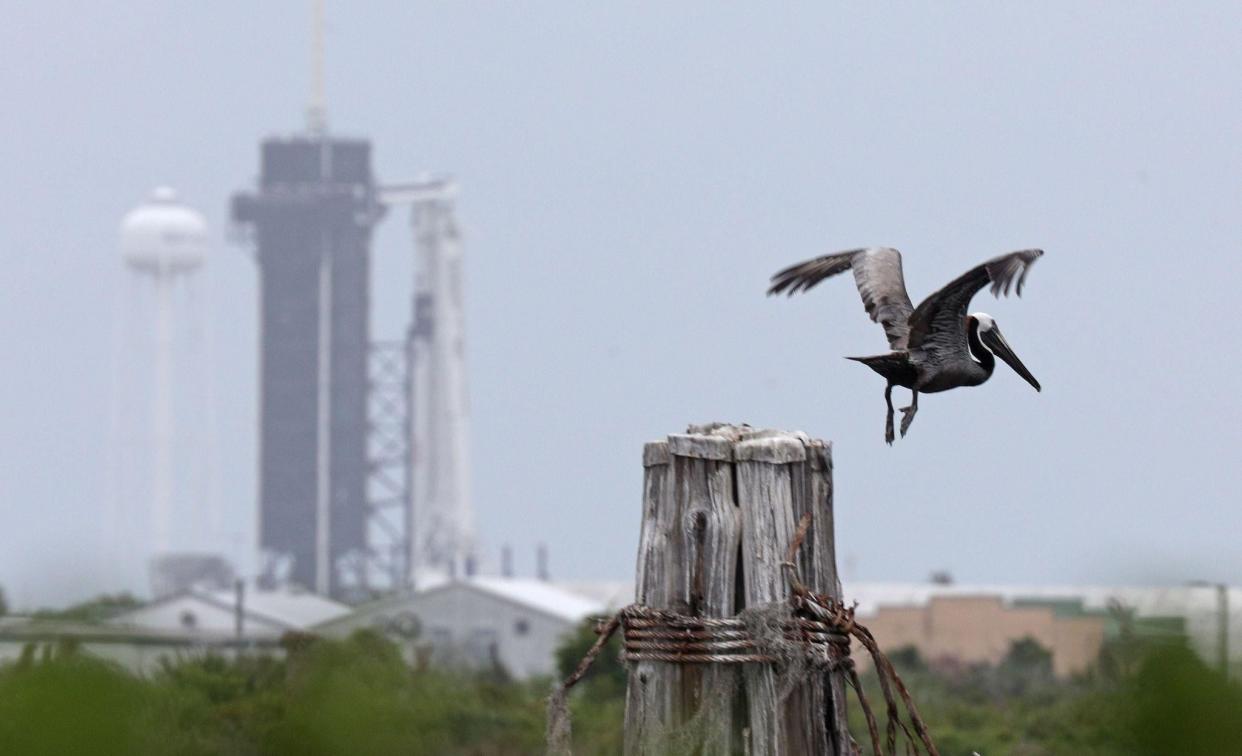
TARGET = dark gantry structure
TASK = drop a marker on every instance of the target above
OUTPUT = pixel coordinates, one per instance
(311, 220)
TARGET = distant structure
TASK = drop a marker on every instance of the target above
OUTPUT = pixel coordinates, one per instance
(189, 624)
(311, 222)
(964, 630)
(964, 623)
(515, 624)
(163, 244)
(440, 526)
(363, 469)
(238, 611)
(174, 573)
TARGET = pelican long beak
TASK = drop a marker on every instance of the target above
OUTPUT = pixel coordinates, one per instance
(993, 339)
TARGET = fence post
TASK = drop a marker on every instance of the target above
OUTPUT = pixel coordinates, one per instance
(720, 506)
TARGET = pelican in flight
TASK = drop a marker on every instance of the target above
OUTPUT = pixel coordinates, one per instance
(936, 346)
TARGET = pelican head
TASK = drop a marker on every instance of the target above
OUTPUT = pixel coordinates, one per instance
(992, 340)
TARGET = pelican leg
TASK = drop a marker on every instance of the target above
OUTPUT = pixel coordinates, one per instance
(888, 425)
(907, 413)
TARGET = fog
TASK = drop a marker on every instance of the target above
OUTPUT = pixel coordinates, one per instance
(631, 175)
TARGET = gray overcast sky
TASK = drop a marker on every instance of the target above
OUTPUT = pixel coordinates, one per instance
(632, 174)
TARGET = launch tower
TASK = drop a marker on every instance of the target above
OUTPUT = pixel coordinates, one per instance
(311, 221)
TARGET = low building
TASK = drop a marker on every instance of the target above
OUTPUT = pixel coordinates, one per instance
(514, 623)
(1208, 617)
(981, 629)
(250, 614)
(139, 650)
(186, 625)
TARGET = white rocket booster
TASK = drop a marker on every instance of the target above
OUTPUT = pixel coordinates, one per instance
(442, 517)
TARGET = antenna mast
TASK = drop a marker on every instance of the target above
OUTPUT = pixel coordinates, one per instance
(316, 111)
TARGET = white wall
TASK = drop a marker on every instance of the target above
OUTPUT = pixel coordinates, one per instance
(457, 621)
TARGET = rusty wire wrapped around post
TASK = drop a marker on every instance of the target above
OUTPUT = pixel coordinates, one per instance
(655, 635)
(821, 627)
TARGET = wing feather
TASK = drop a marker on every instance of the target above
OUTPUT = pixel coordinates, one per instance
(938, 324)
(878, 276)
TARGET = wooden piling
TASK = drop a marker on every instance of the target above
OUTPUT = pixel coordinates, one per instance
(720, 507)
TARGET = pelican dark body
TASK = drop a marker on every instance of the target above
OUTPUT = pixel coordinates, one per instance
(936, 346)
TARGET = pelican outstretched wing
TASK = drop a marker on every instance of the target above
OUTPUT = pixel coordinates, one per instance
(938, 324)
(877, 273)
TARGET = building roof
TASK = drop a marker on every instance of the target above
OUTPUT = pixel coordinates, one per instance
(536, 595)
(613, 594)
(1144, 601)
(278, 610)
(295, 608)
(540, 595)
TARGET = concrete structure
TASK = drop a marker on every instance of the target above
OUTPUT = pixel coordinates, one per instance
(981, 629)
(513, 622)
(311, 222)
(1210, 618)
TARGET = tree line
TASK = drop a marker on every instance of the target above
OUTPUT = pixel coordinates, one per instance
(357, 696)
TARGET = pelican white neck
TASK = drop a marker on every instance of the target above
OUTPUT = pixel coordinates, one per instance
(986, 323)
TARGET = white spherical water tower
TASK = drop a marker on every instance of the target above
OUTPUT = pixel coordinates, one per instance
(163, 244)
(162, 237)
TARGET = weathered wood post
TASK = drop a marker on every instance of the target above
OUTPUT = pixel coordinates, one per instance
(720, 507)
